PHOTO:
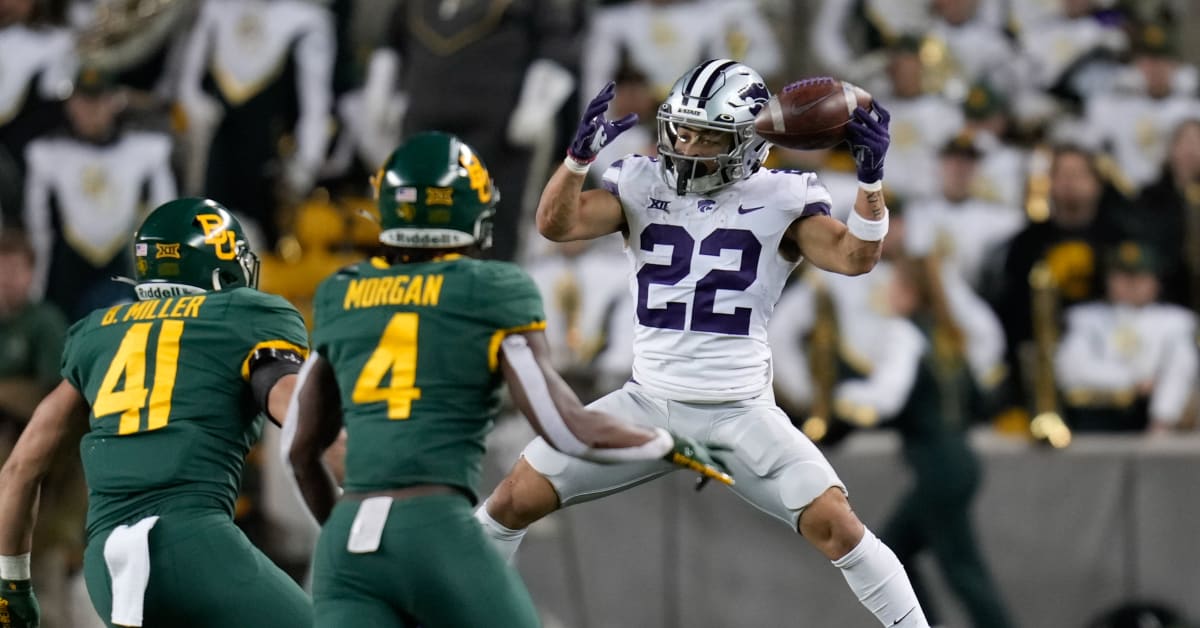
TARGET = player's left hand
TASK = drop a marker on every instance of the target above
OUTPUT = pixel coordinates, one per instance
(869, 140)
(18, 605)
(701, 458)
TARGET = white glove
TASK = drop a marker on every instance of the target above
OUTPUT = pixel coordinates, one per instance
(547, 86)
(298, 178)
(203, 112)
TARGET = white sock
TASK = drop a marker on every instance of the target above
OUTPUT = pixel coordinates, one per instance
(878, 579)
(505, 540)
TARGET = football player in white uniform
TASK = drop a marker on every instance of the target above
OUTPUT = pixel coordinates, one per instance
(712, 236)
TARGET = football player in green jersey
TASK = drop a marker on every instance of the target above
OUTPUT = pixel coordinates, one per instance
(410, 351)
(173, 387)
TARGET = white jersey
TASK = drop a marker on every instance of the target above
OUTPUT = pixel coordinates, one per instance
(707, 275)
(98, 191)
(28, 54)
(1108, 349)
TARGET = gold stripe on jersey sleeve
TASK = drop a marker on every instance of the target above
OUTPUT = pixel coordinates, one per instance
(270, 344)
(498, 337)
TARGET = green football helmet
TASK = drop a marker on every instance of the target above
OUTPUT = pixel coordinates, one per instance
(435, 193)
(191, 245)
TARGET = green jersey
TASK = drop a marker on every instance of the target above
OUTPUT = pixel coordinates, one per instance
(172, 413)
(415, 348)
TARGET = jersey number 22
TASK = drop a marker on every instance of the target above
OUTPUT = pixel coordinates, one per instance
(704, 317)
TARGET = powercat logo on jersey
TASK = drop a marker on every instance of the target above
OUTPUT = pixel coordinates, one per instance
(705, 205)
(657, 204)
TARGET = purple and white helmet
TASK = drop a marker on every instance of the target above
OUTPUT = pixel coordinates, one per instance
(720, 95)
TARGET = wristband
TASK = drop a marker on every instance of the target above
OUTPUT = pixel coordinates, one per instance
(576, 166)
(867, 230)
(873, 186)
(14, 567)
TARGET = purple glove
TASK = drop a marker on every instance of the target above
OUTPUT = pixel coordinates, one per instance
(595, 131)
(869, 141)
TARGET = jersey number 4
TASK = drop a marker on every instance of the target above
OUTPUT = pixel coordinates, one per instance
(395, 357)
(704, 318)
(128, 369)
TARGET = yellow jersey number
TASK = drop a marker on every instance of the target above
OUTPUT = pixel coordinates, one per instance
(396, 354)
(129, 365)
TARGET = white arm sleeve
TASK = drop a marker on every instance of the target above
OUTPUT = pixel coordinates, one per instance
(895, 372)
(1081, 361)
(747, 23)
(288, 430)
(828, 41)
(56, 78)
(195, 59)
(983, 332)
(162, 180)
(1177, 375)
(599, 64)
(556, 431)
(314, 83)
(546, 87)
(37, 218)
(383, 106)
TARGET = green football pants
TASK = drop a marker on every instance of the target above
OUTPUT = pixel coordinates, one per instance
(204, 573)
(434, 568)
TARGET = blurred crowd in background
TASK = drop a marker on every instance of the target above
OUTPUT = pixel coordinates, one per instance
(1043, 179)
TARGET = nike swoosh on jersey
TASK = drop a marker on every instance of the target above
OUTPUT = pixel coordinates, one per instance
(747, 210)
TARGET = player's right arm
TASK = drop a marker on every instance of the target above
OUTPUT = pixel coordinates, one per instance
(313, 422)
(20, 482)
(565, 212)
(558, 416)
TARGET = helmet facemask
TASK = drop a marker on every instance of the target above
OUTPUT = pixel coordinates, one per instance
(701, 174)
(249, 263)
(718, 95)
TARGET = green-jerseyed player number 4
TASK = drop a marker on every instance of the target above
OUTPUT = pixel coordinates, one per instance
(396, 353)
(128, 368)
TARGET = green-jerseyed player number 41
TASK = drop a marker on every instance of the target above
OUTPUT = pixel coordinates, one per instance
(396, 352)
(128, 369)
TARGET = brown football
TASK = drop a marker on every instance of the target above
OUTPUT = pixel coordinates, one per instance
(811, 113)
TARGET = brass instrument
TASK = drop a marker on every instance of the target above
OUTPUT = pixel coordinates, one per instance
(1037, 187)
(1191, 242)
(942, 73)
(125, 33)
(1047, 424)
(1191, 261)
(949, 342)
(822, 364)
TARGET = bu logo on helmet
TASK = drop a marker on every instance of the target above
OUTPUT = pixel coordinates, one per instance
(216, 233)
(478, 175)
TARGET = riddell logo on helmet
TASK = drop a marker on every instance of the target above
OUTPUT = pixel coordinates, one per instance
(158, 291)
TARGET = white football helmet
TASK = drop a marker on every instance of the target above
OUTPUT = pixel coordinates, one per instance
(720, 95)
